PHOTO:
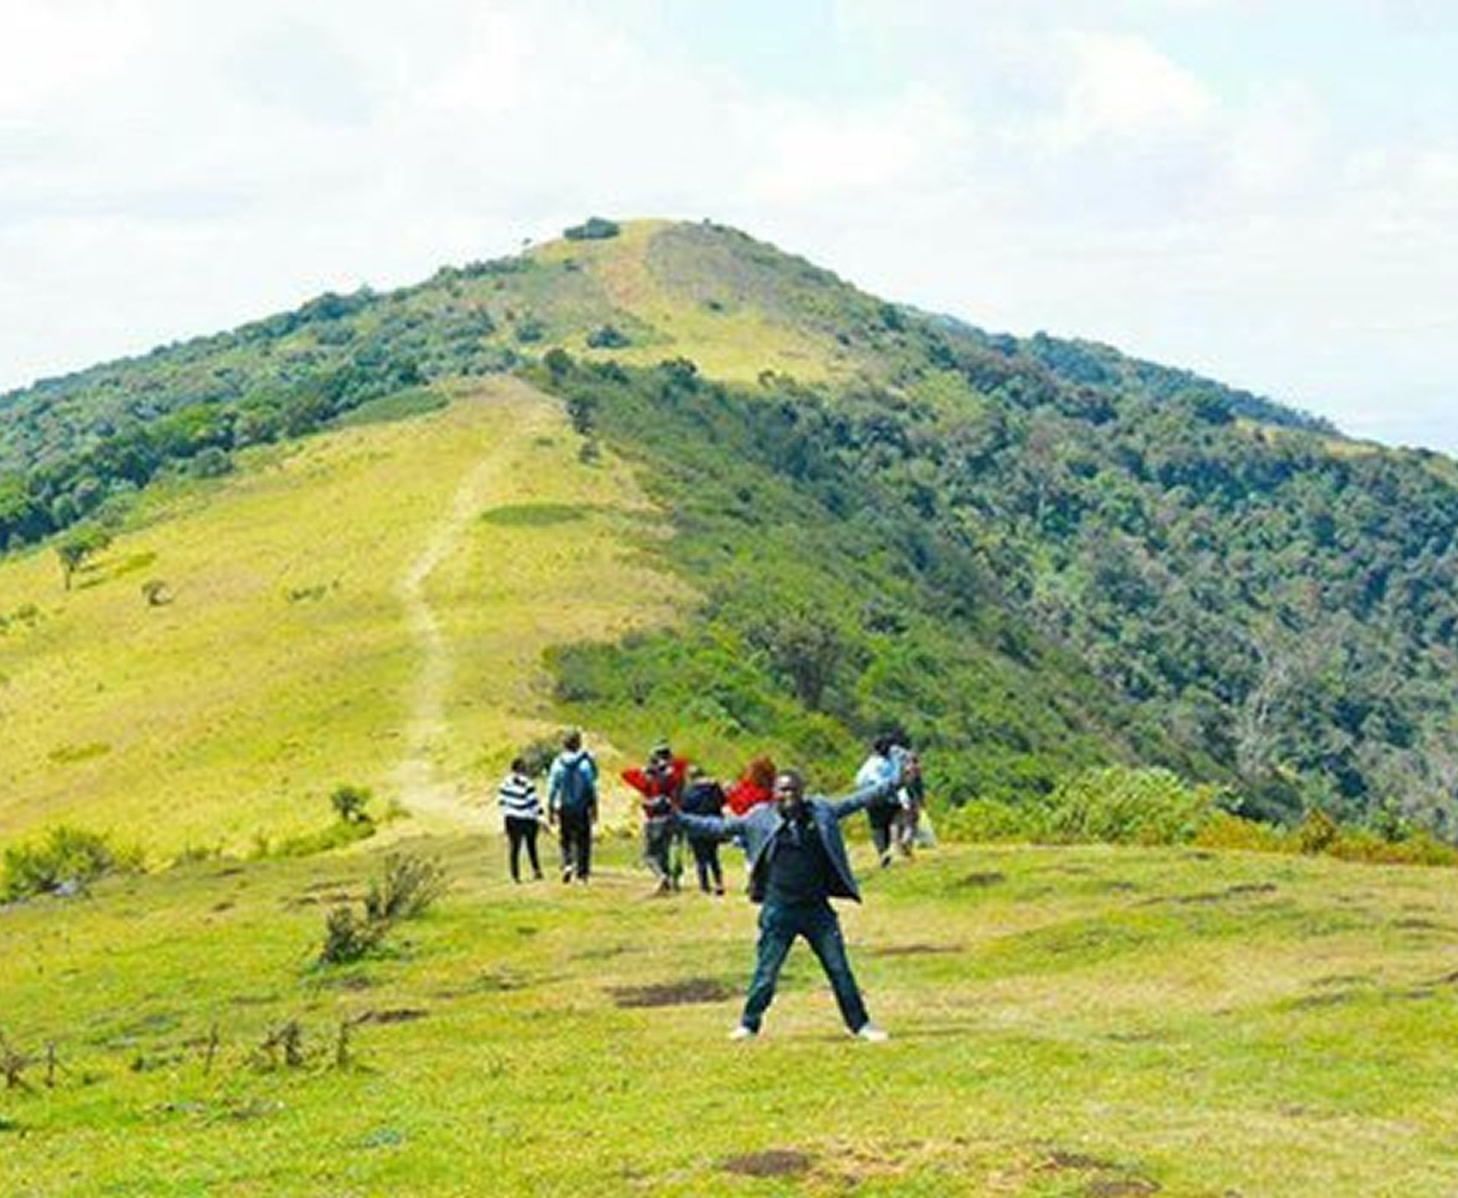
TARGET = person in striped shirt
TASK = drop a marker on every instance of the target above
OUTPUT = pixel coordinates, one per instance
(522, 811)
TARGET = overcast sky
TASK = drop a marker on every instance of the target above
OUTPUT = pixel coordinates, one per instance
(1264, 192)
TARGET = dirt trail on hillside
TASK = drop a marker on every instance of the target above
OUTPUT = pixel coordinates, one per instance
(422, 788)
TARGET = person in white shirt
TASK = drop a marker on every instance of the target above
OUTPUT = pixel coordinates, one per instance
(522, 812)
(878, 768)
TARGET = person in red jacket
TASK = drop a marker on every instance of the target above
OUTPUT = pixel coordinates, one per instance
(659, 782)
(756, 786)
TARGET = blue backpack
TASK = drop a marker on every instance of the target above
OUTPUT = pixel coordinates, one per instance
(579, 783)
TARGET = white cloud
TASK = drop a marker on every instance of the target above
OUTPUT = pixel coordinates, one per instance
(836, 158)
(1119, 86)
(169, 168)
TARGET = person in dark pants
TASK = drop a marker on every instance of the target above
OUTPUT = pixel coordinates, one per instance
(572, 805)
(881, 814)
(522, 812)
(704, 796)
(660, 783)
(797, 863)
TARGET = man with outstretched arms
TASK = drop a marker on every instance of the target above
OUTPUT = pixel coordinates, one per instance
(797, 863)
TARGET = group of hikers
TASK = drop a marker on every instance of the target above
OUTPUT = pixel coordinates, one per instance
(792, 842)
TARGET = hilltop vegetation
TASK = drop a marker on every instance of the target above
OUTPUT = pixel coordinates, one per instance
(1035, 578)
(1041, 553)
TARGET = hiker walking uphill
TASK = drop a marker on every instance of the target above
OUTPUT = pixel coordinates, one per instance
(521, 811)
(912, 796)
(704, 796)
(660, 783)
(572, 805)
(755, 786)
(797, 863)
(879, 768)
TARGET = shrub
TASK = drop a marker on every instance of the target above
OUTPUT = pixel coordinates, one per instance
(980, 820)
(594, 228)
(1226, 831)
(66, 856)
(347, 938)
(406, 889)
(1317, 832)
(349, 803)
(540, 754)
(336, 836)
(607, 337)
(1121, 805)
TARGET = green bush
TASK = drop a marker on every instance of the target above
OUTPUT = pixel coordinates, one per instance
(307, 844)
(981, 820)
(594, 228)
(67, 856)
(349, 803)
(405, 889)
(348, 938)
(1121, 805)
(1226, 831)
(1317, 832)
(408, 887)
(608, 337)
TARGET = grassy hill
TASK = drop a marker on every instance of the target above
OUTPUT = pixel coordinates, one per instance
(366, 607)
(396, 537)
(1111, 560)
(1065, 1022)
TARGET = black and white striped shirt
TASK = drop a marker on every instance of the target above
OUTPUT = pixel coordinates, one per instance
(518, 796)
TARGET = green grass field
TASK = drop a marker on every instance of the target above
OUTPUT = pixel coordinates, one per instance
(1065, 1021)
(347, 609)
(373, 606)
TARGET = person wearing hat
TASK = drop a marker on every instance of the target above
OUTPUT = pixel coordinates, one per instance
(659, 782)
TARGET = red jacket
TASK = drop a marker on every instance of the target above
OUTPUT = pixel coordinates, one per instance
(745, 795)
(660, 787)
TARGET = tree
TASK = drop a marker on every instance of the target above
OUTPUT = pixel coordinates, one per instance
(78, 545)
(806, 650)
(594, 228)
(582, 411)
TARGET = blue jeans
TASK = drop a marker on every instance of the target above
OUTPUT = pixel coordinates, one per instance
(817, 922)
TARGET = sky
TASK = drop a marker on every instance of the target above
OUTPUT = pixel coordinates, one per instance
(1264, 192)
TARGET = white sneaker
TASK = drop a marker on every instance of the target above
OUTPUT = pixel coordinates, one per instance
(872, 1034)
(743, 1033)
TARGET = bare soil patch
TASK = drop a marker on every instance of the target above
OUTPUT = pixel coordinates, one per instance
(914, 950)
(773, 1162)
(1127, 1187)
(982, 879)
(1058, 1160)
(395, 1015)
(672, 994)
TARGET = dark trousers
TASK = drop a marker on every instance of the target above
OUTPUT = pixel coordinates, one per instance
(706, 861)
(575, 831)
(882, 817)
(522, 832)
(817, 922)
(658, 834)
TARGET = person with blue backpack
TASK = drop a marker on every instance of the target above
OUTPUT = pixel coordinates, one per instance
(572, 805)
